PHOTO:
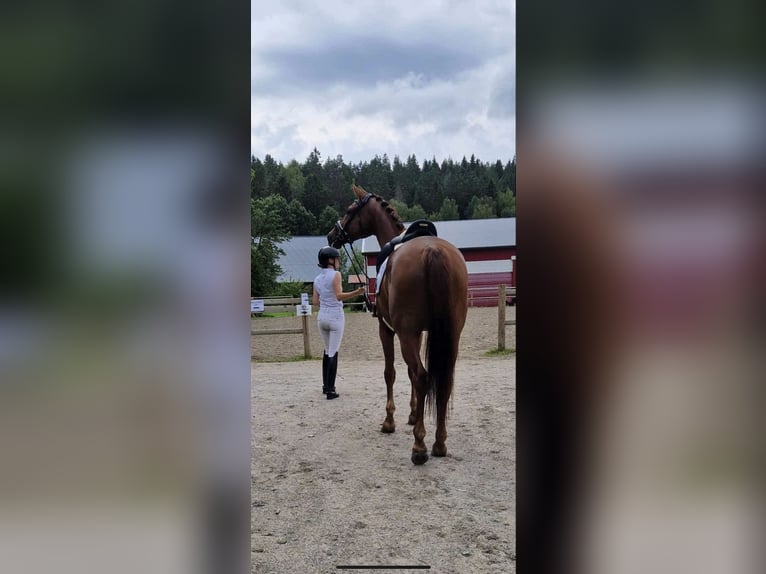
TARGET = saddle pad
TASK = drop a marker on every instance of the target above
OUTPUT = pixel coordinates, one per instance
(382, 270)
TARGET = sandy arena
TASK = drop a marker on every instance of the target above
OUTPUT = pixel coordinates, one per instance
(329, 489)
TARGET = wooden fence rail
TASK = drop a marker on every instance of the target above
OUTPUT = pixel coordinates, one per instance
(286, 304)
(279, 304)
(501, 321)
(487, 296)
(304, 330)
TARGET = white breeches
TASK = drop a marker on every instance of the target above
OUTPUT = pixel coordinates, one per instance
(331, 331)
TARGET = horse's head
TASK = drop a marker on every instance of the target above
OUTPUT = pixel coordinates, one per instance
(356, 223)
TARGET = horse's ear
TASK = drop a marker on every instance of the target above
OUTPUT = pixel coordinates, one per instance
(359, 192)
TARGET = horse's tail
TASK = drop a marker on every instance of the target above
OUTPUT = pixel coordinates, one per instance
(441, 344)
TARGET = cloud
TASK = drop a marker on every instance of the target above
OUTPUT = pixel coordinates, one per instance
(434, 79)
(361, 62)
(503, 95)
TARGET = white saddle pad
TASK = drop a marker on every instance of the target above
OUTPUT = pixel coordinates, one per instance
(379, 277)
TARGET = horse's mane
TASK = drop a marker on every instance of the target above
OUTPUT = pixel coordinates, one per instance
(389, 209)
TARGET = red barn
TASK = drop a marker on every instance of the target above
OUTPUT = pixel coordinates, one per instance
(489, 249)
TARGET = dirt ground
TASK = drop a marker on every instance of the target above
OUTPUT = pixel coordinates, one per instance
(329, 489)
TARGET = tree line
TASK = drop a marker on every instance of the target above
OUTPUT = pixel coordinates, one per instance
(308, 198)
(316, 192)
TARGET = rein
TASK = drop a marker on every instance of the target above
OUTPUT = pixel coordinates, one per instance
(346, 240)
(354, 269)
(342, 235)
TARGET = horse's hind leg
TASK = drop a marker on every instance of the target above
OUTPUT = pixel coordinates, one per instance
(413, 395)
(387, 339)
(440, 447)
(411, 354)
(442, 404)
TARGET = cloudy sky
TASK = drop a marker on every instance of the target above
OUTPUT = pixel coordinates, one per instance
(363, 77)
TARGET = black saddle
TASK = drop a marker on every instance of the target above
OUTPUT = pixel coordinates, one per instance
(419, 228)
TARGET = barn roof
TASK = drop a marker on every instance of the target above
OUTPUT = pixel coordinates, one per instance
(299, 263)
(467, 234)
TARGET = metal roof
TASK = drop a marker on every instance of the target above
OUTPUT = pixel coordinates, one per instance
(466, 234)
(299, 263)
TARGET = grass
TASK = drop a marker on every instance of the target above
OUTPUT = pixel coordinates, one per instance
(294, 359)
(498, 353)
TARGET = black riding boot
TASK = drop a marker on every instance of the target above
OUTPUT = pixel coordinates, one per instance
(332, 370)
(325, 365)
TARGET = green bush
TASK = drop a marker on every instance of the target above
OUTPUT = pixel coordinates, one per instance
(291, 289)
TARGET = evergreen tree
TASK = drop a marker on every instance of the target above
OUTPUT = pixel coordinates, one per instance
(327, 219)
(429, 193)
(490, 189)
(482, 208)
(416, 212)
(448, 210)
(313, 165)
(257, 179)
(506, 203)
(411, 180)
(398, 173)
(300, 220)
(401, 209)
(465, 186)
(337, 178)
(472, 204)
(498, 170)
(295, 180)
(317, 185)
(271, 172)
(282, 188)
(508, 181)
(267, 229)
(314, 195)
(376, 176)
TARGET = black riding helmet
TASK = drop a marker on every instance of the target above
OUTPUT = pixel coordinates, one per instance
(327, 253)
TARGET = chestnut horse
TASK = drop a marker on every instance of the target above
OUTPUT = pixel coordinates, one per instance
(424, 288)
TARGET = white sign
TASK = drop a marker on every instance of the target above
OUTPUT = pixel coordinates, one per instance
(256, 305)
(304, 298)
(303, 310)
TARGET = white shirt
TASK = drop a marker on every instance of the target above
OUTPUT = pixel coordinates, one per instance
(329, 305)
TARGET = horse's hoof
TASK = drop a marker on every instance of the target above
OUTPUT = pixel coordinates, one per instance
(439, 450)
(387, 428)
(411, 420)
(419, 458)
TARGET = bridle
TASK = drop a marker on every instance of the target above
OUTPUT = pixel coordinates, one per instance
(340, 231)
(345, 240)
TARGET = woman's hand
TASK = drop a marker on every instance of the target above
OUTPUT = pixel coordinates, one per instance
(359, 291)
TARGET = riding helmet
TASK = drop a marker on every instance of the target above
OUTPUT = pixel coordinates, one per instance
(326, 253)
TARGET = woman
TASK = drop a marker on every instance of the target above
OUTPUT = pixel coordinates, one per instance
(329, 296)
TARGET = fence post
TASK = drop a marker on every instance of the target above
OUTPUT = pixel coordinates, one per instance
(306, 342)
(501, 317)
